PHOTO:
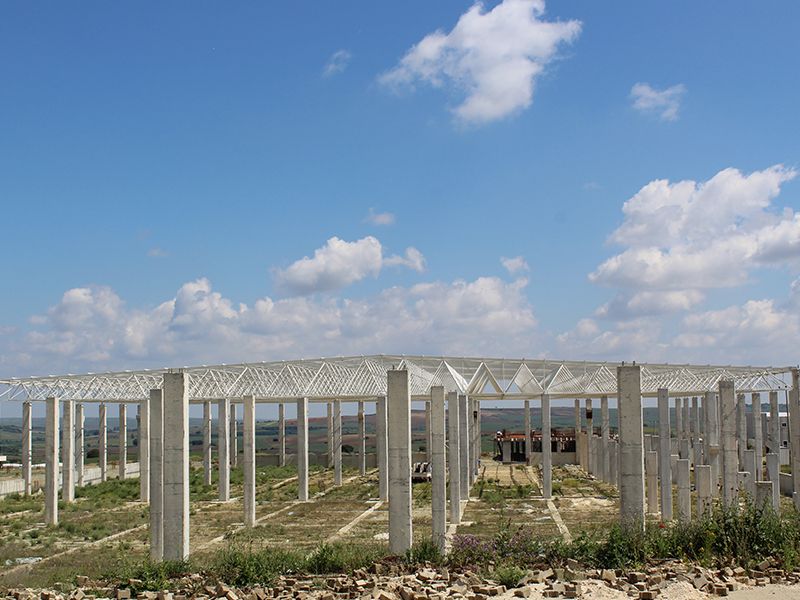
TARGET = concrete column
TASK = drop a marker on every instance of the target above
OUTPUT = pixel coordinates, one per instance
(794, 435)
(685, 447)
(774, 475)
(428, 431)
(713, 435)
(631, 459)
(337, 442)
(749, 466)
(577, 418)
(454, 457)
(51, 463)
(123, 441)
(684, 491)
(730, 458)
(207, 442)
(233, 439)
(68, 452)
(223, 448)
(686, 423)
(249, 442)
(102, 442)
(758, 436)
(144, 450)
(697, 454)
(80, 449)
(764, 494)
(651, 468)
(774, 424)
(463, 444)
(614, 463)
(362, 440)
(302, 449)
(438, 468)
(399, 418)
(26, 446)
(702, 474)
(176, 466)
(547, 456)
(664, 464)
(527, 418)
(282, 435)
(678, 421)
(604, 427)
(589, 436)
(330, 435)
(741, 428)
(382, 451)
(476, 439)
(156, 474)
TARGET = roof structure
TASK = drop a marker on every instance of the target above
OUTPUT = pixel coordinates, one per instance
(364, 377)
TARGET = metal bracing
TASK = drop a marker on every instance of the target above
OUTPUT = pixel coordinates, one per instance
(364, 377)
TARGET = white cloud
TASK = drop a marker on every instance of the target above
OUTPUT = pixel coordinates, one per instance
(514, 265)
(664, 103)
(646, 303)
(157, 253)
(340, 263)
(379, 218)
(337, 63)
(92, 329)
(413, 259)
(493, 58)
(691, 235)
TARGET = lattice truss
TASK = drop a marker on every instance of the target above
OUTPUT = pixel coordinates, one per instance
(364, 377)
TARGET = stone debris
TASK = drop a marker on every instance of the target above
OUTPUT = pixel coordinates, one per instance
(388, 581)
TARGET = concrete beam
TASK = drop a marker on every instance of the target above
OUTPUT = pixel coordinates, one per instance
(665, 451)
(454, 457)
(547, 449)
(438, 468)
(302, 449)
(730, 455)
(68, 452)
(51, 465)
(123, 441)
(631, 444)
(176, 466)
(26, 446)
(156, 430)
(399, 419)
(223, 449)
(102, 441)
(249, 442)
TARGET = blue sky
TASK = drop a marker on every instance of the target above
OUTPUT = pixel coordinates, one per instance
(164, 168)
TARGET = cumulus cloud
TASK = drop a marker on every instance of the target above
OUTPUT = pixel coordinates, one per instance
(664, 103)
(491, 57)
(339, 263)
(379, 218)
(92, 328)
(698, 235)
(337, 63)
(514, 265)
(648, 303)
